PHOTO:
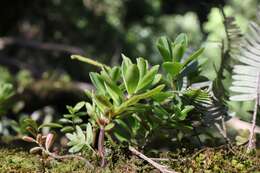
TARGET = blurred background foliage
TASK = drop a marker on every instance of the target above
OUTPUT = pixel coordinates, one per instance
(38, 37)
(103, 29)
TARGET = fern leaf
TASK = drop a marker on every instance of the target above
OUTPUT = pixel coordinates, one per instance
(245, 76)
(234, 35)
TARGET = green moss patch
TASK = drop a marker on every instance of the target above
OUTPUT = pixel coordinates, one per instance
(207, 160)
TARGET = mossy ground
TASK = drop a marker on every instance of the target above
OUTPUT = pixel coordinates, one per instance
(207, 160)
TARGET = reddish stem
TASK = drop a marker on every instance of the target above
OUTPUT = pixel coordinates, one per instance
(101, 150)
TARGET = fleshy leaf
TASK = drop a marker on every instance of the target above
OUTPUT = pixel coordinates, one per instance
(148, 78)
(173, 68)
(131, 78)
(193, 56)
(164, 47)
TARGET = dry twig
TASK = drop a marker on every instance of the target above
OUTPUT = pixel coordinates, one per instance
(54, 156)
(158, 166)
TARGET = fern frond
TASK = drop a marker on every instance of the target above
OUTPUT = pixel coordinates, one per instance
(234, 35)
(245, 76)
(197, 96)
(215, 109)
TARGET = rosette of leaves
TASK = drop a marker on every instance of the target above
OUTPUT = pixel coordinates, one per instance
(177, 62)
(126, 95)
(79, 139)
(44, 142)
(33, 128)
(120, 91)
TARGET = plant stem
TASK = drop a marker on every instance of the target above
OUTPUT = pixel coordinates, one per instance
(161, 168)
(101, 150)
(88, 61)
(251, 143)
(68, 157)
(222, 130)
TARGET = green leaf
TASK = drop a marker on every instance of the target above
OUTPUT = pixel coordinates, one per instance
(179, 47)
(193, 56)
(123, 132)
(89, 133)
(6, 91)
(98, 82)
(76, 148)
(68, 115)
(102, 102)
(162, 96)
(81, 114)
(30, 122)
(114, 92)
(115, 73)
(173, 68)
(67, 129)
(157, 79)
(78, 139)
(148, 78)
(109, 126)
(178, 52)
(136, 98)
(89, 108)
(123, 125)
(78, 106)
(70, 109)
(51, 125)
(126, 63)
(185, 112)
(164, 47)
(65, 121)
(120, 136)
(142, 65)
(131, 78)
(72, 137)
(80, 133)
(77, 120)
(161, 112)
(181, 38)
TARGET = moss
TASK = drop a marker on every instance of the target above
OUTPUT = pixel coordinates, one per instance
(12, 160)
(208, 160)
(213, 160)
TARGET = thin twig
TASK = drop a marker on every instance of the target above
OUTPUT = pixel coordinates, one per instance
(161, 159)
(87, 163)
(198, 152)
(251, 143)
(6, 41)
(161, 168)
(224, 127)
(222, 130)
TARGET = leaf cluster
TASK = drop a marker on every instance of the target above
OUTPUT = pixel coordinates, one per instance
(131, 100)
